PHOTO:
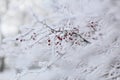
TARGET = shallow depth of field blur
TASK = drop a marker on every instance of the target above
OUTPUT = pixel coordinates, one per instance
(59, 39)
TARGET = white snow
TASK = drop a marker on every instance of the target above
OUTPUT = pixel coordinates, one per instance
(30, 48)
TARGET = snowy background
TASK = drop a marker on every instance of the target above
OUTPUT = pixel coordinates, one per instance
(59, 39)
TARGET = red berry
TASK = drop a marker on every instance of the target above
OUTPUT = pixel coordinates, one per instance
(91, 25)
(21, 40)
(34, 33)
(17, 39)
(75, 42)
(65, 35)
(49, 40)
(33, 38)
(57, 43)
(70, 38)
(92, 22)
(70, 34)
(60, 44)
(59, 37)
(73, 33)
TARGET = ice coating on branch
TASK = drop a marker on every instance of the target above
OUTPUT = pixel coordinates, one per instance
(67, 40)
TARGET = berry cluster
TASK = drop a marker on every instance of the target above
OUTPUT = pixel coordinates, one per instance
(69, 36)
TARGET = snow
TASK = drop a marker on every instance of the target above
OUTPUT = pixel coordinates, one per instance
(34, 48)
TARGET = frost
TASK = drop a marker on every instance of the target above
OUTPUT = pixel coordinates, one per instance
(64, 40)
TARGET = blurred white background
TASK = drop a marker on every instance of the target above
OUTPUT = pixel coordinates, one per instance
(16, 13)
